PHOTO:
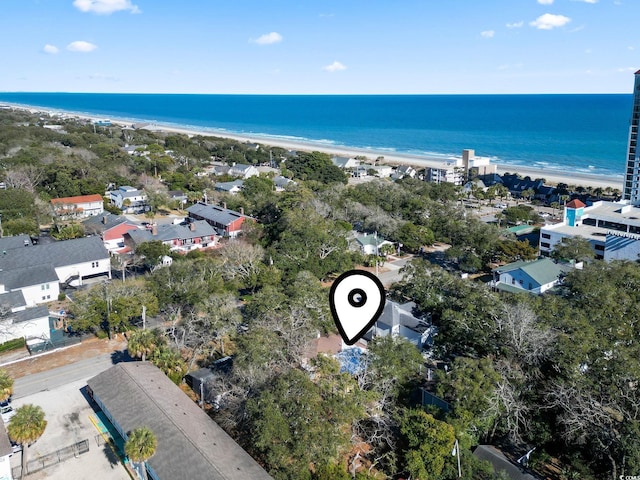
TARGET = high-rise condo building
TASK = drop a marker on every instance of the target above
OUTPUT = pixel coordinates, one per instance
(631, 191)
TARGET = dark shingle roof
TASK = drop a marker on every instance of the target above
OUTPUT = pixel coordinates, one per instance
(24, 277)
(12, 300)
(190, 444)
(11, 243)
(219, 215)
(57, 254)
(172, 232)
(29, 314)
(101, 223)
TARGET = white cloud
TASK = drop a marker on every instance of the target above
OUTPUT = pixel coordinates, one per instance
(515, 25)
(488, 33)
(545, 2)
(81, 46)
(268, 38)
(549, 21)
(50, 49)
(334, 67)
(587, 1)
(105, 7)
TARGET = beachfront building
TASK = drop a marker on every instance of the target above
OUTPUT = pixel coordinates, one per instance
(345, 162)
(612, 228)
(458, 170)
(631, 187)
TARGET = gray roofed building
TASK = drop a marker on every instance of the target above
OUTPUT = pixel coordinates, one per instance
(11, 243)
(24, 277)
(57, 254)
(242, 170)
(186, 236)
(190, 444)
(30, 314)
(282, 182)
(230, 187)
(401, 320)
(226, 222)
(12, 301)
(101, 223)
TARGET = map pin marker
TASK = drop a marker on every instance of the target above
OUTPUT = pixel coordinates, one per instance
(357, 299)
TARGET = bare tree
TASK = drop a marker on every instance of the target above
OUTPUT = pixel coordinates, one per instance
(528, 341)
(27, 177)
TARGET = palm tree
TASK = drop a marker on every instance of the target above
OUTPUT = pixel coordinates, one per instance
(143, 343)
(141, 446)
(25, 427)
(6, 385)
(170, 362)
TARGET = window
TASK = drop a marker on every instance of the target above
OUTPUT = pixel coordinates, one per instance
(545, 245)
(546, 235)
(95, 264)
(521, 281)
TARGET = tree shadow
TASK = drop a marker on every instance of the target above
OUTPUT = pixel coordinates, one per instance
(112, 457)
(121, 356)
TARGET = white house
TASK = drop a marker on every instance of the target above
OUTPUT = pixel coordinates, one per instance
(129, 199)
(399, 320)
(382, 171)
(243, 171)
(18, 321)
(230, 187)
(78, 207)
(345, 162)
(37, 270)
(371, 244)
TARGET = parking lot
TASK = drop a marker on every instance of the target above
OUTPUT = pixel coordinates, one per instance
(67, 412)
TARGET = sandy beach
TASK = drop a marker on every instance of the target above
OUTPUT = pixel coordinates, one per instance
(552, 176)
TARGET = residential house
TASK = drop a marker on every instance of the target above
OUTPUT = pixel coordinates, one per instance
(78, 207)
(243, 171)
(400, 320)
(230, 187)
(111, 228)
(18, 321)
(37, 270)
(177, 196)
(189, 443)
(382, 171)
(345, 162)
(182, 238)
(371, 244)
(227, 223)
(535, 276)
(282, 183)
(129, 199)
(405, 171)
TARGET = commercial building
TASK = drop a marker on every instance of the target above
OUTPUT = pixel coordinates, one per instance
(631, 187)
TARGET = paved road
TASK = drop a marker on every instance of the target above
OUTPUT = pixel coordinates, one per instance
(57, 377)
(393, 271)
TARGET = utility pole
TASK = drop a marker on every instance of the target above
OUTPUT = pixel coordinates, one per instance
(144, 317)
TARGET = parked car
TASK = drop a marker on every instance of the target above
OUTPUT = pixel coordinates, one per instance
(501, 205)
(7, 411)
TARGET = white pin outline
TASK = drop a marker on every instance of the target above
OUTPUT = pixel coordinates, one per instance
(375, 316)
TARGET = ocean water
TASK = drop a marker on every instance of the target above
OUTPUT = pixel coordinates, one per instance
(582, 133)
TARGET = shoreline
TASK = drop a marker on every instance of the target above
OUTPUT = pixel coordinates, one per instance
(551, 176)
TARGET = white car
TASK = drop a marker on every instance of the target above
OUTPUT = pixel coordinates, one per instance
(502, 205)
(7, 411)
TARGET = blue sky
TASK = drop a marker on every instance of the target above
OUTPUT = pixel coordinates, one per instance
(308, 46)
